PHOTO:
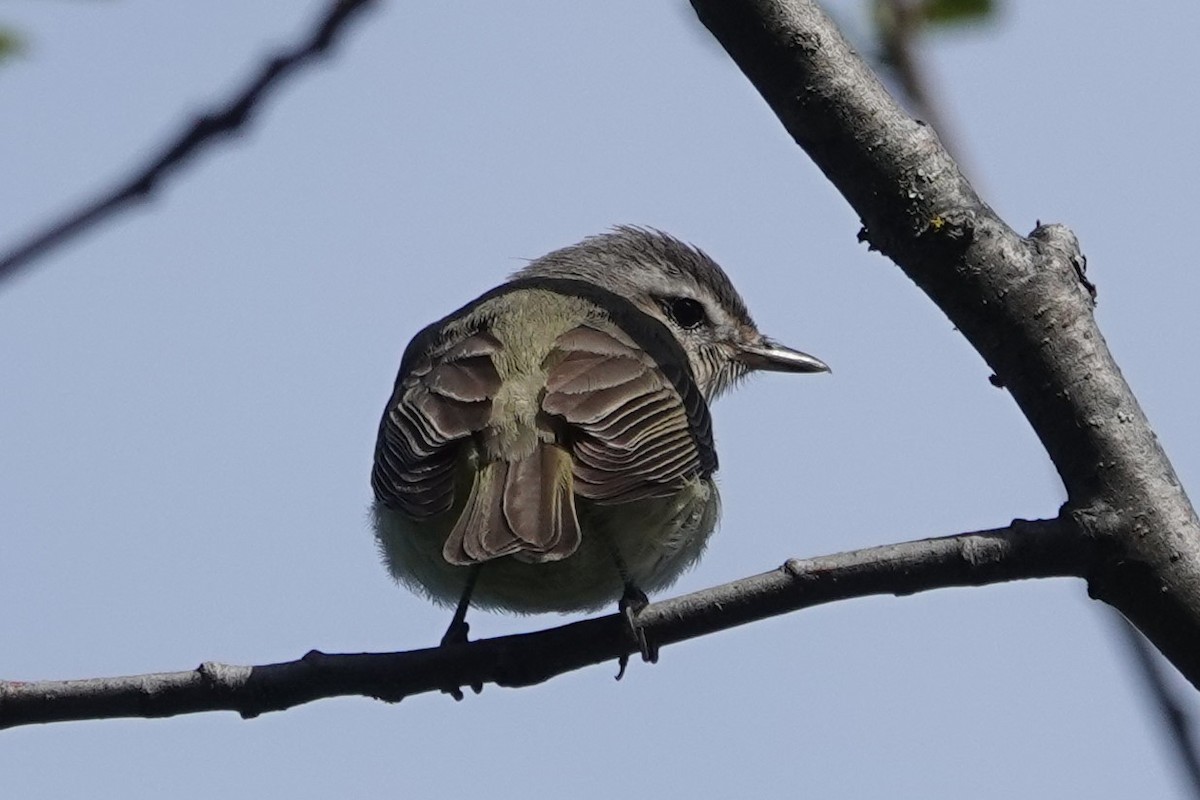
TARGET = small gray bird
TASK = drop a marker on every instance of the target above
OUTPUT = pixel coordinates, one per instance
(548, 446)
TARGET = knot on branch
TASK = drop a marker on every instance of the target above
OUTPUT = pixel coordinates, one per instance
(1057, 242)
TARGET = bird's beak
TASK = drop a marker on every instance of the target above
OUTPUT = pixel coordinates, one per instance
(774, 357)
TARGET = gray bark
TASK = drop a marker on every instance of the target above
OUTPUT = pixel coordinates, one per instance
(1022, 302)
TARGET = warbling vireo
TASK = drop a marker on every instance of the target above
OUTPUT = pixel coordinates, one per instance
(548, 446)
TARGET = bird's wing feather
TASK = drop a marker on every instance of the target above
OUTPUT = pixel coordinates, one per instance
(445, 397)
(629, 430)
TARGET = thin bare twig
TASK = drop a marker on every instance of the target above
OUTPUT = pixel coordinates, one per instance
(225, 120)
(1037, 549)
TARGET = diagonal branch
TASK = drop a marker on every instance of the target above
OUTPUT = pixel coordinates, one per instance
(226, 120)
(1025, 549)
(1022, 302)
(900, 28)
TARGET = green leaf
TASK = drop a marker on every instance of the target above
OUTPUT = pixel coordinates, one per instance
(957, 12)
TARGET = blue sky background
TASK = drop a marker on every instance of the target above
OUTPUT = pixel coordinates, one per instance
(190, 395)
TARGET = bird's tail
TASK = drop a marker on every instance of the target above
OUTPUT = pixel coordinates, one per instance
(523, 508)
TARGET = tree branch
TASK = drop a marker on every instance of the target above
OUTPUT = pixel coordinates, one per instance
(1026, 549)
(1023, 303)
(901, 24)
(226, 120)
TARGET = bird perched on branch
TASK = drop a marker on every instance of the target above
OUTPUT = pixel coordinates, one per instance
(548, 446)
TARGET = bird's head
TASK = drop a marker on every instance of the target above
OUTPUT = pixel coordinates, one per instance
(681, 287)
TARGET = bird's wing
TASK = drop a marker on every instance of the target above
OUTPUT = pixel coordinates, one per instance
(440, 398)
(630, 428)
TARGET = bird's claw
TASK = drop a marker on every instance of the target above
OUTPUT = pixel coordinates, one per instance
(457, 634)
(631, 604)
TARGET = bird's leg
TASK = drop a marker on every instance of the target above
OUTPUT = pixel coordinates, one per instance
(632, 601)
(458, 630)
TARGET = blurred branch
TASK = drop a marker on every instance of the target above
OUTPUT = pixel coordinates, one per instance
(1026, 549)
(225, 120)
(1024, 303)
(900, 25)
(1174, 715)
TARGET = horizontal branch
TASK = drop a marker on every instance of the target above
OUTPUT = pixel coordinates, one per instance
(228, 119)
(1026, 549)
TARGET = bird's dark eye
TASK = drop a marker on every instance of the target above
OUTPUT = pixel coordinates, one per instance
(685, 312)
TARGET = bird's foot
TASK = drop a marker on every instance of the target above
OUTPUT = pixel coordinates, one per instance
(631, 604)
(457, 634)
